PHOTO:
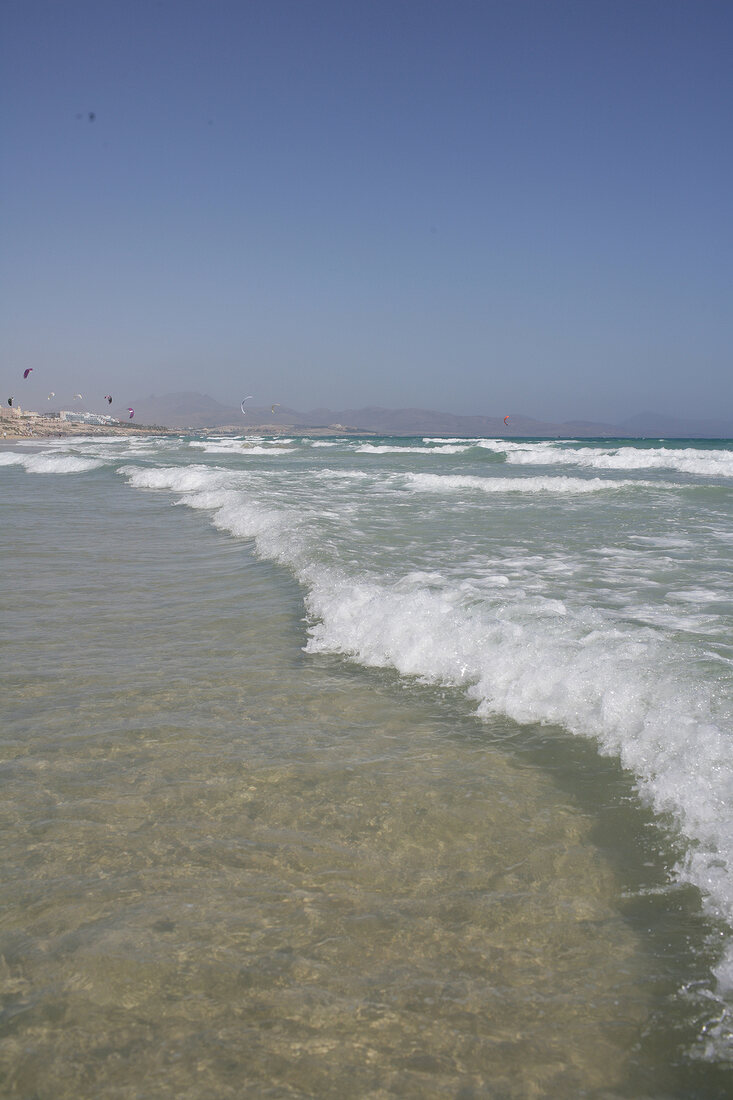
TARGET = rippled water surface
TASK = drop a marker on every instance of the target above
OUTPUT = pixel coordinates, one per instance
(340, 781)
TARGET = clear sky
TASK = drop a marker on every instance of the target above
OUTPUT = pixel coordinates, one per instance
(479, 206)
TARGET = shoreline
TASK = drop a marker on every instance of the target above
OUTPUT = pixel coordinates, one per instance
(29, 426)
(48, 428)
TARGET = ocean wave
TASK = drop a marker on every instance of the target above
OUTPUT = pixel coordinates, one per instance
(450, 483)
(240, 447)
(689, 460)
(50, 463)
(512, 651)
(468, 440)
(396, 448)
(537, 660)
(343, 475)
(179, 479)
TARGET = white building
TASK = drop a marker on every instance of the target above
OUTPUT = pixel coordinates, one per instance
(73, 416)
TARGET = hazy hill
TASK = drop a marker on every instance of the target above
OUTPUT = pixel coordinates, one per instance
(195, 410)
(184, 410)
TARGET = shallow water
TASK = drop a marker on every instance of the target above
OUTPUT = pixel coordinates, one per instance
(234, 863)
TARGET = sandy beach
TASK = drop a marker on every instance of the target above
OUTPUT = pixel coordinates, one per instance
(28, 425)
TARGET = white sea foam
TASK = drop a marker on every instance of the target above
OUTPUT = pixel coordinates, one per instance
(81, 441)
(498, 446)
(50, 463)
(450, 483)
(455, 439)
(239, 447)
(535, 660)
(394, 448)
(665, 542)
(689, 460)
(180, 479)
(272, 450)
(696, 595)
(345, 475)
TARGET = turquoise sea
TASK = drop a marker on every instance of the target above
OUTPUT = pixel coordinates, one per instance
(366, 768)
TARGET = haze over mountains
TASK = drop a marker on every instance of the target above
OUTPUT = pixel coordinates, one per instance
(195, 410)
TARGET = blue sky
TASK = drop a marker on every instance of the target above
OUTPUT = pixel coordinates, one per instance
(481, 207)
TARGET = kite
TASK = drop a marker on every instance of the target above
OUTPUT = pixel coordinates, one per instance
(506, 419)
(27, 371)
(131, 412)
(10, 401)
(52, 394)
(242, 403)
(108, 398)
(276, 406)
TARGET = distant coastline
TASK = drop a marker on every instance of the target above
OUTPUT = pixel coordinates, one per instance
(171, 414)
(194, 411)
(31, 425)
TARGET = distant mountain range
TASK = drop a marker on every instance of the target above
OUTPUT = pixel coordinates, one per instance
(195, 410)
